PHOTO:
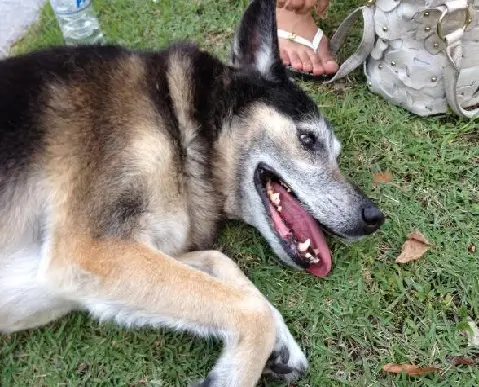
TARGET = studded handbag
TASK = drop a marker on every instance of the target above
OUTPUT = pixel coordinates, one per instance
(422, 55)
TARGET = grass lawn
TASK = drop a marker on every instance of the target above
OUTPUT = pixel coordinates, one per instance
(370, 311)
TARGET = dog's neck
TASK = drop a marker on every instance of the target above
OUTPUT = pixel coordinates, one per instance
(201, 113)
(211, 153)
(232, 92)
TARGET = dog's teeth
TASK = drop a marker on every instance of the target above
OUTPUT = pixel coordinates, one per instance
(279, 209)
(311, 258)
(285, 186)
(275, 199)
(315, 258)
(303, 246)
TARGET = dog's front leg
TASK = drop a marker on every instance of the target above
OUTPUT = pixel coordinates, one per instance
(130, 283)
(287, 361)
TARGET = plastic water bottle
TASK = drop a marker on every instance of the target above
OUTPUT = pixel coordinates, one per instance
(78, 22)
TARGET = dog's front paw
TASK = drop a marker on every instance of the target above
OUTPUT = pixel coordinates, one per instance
(287, 362)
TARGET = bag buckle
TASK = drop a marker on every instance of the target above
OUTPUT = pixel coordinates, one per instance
(439, 29)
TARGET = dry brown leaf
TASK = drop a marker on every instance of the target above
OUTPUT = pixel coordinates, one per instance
(414, 247)
(460, 360)
(409, 369)
(383, 177)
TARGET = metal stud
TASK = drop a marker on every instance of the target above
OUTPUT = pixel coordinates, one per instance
(370, 84)
(433, 78)
(469, 21)
(370, 3)
(435, 44)
(427, 28)
(426, 14)
(385, 28)
(380, 66)
(393, 63)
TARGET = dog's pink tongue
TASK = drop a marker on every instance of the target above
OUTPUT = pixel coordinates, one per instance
(304, 226)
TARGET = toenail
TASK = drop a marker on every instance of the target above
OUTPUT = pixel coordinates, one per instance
(281, 369)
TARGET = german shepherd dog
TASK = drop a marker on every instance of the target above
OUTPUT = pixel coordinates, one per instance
(117, 166)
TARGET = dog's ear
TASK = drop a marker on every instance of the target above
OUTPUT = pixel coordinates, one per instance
(256, 42)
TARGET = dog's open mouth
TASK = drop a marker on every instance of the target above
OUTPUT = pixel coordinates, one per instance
(299, 232)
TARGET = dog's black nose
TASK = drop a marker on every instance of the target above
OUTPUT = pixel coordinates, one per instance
(372, 217)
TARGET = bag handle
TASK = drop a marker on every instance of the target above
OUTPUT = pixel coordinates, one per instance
(364, 48)
(451, 78)
(454, 54)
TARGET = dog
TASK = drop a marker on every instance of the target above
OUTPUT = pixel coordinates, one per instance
(117, 168)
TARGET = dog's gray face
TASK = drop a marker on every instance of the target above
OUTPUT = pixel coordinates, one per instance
(292, 190)
(290, 187)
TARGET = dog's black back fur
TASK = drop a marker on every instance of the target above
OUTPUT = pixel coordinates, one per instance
(219, 91)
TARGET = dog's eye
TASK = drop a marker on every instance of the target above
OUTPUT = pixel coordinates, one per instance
(308, 140)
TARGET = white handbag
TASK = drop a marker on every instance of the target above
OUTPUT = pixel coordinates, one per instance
(422, 55)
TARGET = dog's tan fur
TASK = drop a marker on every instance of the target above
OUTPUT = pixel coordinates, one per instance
(91, 262)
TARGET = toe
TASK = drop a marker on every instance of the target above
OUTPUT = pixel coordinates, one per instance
(307, 64)
(285, 57)
(317, 66)
(330, 66)
(327, 61)
(295, 60)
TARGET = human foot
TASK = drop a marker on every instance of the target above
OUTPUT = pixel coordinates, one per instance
(297, 55)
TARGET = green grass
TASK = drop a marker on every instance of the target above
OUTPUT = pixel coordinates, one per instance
(370, 310)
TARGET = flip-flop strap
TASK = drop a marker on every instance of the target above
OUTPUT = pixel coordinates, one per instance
(300, 40)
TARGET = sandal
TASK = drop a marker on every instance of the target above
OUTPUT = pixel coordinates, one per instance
(311, 44)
